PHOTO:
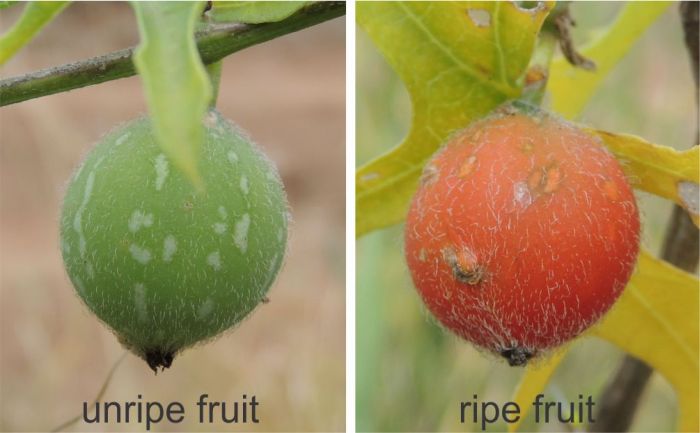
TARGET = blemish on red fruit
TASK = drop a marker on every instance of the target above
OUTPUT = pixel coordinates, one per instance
(430, 175)
(467, 167)
(611, 190)
(552, 179)
(464, 264)
(509, 272)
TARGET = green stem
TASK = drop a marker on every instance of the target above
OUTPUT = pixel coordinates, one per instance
(538, 72)
(214, 43)
(214, 71)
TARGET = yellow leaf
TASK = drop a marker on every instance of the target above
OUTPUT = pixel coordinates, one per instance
(533, 382)
(656, 320)
(571, 87)
(660, 170)
(459, 60)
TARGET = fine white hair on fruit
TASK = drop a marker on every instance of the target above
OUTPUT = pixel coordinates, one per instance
(163, 266)
(140, 301)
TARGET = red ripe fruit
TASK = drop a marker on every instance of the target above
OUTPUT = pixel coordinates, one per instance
(523, 233)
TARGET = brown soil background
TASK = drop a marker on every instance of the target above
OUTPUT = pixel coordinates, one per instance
(289, 94)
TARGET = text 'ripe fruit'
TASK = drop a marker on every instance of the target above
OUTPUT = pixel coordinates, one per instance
(162, 265)
(523, 232)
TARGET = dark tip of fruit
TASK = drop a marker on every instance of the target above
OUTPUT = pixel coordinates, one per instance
(517, 356)
(157, 358)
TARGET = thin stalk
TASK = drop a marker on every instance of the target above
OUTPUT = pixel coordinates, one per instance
(214, 43)
(214, 71)
(538, 71)
(105, 384)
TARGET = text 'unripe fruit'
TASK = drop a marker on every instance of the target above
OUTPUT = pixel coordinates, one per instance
(165, 266)
(523, 232)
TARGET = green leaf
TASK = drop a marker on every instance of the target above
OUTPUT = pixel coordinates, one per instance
(175, 81)
(35, 16)
(660, 170)
(458, 60)
(7, 3)
(254, 12)
(656, 319)
(571, 87)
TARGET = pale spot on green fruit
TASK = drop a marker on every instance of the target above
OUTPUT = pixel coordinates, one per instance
(169, 248)
(232, 157)
(214, 260)
(220, 228)
(240, 236)
(159, 263)
(161, 166)
(244, 185)
(139, 219)
(141, 255)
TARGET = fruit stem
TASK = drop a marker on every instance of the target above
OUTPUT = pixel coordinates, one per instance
(537, 73)
(105, 384)
(214, 43)
(214, 71)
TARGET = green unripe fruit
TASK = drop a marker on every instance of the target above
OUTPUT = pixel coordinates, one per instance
(161, 264)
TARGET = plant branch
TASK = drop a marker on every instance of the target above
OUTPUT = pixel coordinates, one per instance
(214, 43)
(681, 248)
(560, 23)
(100, 393)
(537, 73)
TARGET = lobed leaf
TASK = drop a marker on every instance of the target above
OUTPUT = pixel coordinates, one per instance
(175, 81)
(254, 12)
(458, 60)
(660, 170)
(571, 88)
(34, 17)
(656, 319)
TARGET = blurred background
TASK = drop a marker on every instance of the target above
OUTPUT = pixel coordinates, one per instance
(411, 375)
(289, 94)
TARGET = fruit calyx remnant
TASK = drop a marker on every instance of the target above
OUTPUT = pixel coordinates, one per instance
(517, 356)
(157, 358)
